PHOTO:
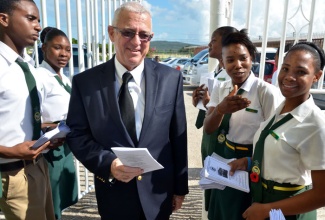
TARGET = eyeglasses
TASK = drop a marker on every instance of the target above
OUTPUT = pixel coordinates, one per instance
(129, 34)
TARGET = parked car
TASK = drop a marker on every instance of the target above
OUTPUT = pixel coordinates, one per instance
(269, 53)
(319, 100)
(75, 59)
(197, 66)
(168, 60)
(269, 69)
(179, 63)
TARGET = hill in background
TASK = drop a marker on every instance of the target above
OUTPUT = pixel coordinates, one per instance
(174, 46)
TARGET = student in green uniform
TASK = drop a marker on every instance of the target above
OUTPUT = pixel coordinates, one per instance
(289, 152)
(209, 141)
(236, 109)
(25, 192)
(57, 49)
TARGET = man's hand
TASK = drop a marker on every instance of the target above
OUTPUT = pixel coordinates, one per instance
(55, 143)
(23, 151)
(124, 173)
(177, 202)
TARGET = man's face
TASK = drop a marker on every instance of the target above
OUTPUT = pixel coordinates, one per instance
(130, 52)
(22, 26)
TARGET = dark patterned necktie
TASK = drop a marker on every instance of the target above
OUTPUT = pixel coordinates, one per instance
(127, 107)
(33, 94)
(255, 176)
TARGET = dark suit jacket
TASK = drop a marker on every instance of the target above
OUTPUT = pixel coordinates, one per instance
(96, 126)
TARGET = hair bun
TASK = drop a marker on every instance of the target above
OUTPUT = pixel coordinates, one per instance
(44, 32)
(244, 31)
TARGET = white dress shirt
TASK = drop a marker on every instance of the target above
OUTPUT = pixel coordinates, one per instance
(15, 104)
(137, 91)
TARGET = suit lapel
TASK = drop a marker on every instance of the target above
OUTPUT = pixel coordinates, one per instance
(151, 80)
(107, 81)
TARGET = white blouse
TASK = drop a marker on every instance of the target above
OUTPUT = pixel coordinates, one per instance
(56, 102)
(243, 124)
(299, 148)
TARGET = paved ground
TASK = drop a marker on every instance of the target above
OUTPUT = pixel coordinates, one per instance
(86, 208)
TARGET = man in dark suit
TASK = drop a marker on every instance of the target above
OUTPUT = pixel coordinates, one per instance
(97, 121)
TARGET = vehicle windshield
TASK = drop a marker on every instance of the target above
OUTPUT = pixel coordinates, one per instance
(196, 58)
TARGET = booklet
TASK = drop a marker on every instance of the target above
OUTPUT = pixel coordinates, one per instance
(216, 169)
(204, 80)
(276, 214)
(137, 157)
(59, 132)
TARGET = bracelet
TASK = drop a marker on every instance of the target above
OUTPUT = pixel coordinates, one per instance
(249, 164)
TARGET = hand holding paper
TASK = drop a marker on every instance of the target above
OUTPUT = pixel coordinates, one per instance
(215, 174)
(59, 132)
(137, 157)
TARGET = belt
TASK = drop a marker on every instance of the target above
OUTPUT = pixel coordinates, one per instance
(284, 188)
(5, 167)
(235, 147)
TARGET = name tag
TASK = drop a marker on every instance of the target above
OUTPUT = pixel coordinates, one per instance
(221, 79)
(251, 110)
(274, 135)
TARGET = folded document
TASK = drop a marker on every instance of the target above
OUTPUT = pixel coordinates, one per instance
(276, 214)
(215, 175)
(59, 132)
(137, 157)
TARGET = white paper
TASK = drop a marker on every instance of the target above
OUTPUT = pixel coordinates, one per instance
(59, 132)
(203, 80)
(276, 214)
(211, 84)
(137, 157)
(216, 169)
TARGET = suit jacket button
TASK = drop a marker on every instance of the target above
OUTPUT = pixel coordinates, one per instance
(139, 178)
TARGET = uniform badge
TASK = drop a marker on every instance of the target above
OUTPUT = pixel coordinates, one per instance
(37, 116)
(221, 138)
(255, 169)
(255, 174)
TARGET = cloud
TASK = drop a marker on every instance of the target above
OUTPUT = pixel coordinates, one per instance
(189, 20)
(185, 21)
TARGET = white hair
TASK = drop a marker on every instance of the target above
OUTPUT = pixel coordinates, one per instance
(131, 7)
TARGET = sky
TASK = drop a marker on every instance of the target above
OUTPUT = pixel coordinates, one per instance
(188, 21)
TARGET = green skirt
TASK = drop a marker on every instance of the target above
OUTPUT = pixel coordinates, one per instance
(208, 146)
(229, 204)
(63, 178)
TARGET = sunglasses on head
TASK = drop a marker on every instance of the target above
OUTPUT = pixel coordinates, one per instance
(129, 34)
